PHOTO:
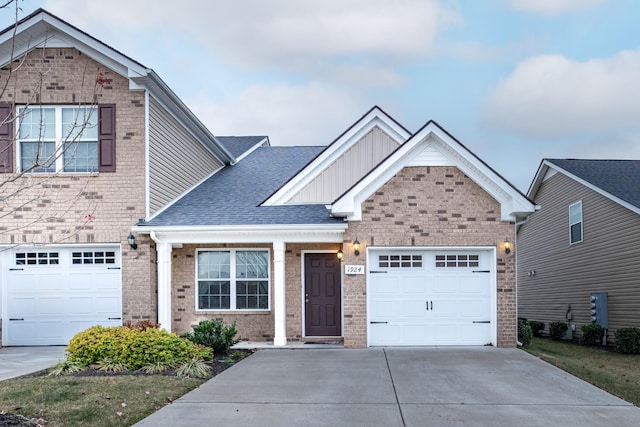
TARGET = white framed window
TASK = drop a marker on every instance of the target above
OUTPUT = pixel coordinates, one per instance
(233, 279)
(575, 223)
(400, 261)
(457, 261)
(57, 139)
(37, 258)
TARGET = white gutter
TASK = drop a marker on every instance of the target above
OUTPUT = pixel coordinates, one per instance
(245, 228)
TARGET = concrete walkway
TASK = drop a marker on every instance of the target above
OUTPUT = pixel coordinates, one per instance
(395, 387)
(19, 361)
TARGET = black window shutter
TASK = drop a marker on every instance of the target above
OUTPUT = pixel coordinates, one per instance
(107, 138)
(6, 138)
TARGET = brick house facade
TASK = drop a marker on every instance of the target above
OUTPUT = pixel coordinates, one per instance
(220, 232)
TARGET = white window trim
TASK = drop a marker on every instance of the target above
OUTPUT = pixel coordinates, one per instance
(232, 280)
(581, 222)
(59, 138)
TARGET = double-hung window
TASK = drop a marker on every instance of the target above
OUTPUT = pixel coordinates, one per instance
(58, 139)
(233, 279)
(575, 223)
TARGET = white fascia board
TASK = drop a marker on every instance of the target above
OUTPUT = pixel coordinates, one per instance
(513, 204)
(310, 233)
(336, 149)
(254, 148)
(44, 29)
(538, 178)
(595, 188)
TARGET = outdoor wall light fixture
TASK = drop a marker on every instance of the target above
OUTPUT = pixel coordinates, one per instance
(339, 254)
(356, 247)
(132, 241)
(507, 247)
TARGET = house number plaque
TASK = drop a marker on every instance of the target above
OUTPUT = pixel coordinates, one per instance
(354, 269)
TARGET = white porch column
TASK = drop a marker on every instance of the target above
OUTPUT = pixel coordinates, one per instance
(279, 300)
(164, 284)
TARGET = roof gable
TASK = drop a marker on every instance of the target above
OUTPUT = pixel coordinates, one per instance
(42, 29)
(374, 118)
(434, 146)
(617, 180)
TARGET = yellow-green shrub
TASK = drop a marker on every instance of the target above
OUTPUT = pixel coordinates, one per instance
(133, 347)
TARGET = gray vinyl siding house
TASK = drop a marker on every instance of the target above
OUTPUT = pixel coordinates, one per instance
(556, 276)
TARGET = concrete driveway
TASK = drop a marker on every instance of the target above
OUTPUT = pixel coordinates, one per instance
(395, 387)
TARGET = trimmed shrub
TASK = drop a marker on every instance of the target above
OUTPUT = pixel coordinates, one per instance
(628, 340)
(132, 348)
(557, 330)
(524, 332)
(214, 334)
(591, 334)
(536, 327)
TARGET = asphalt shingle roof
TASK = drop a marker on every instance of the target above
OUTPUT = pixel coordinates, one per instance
(232, 196)
(620, 178)
(238, 145)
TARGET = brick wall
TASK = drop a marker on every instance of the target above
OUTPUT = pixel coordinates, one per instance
(84, 208)
(429, 206)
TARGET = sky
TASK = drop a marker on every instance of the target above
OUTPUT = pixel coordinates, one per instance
(515, 81)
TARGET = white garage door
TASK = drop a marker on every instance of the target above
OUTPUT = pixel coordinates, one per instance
(429, 297)
(53, 293)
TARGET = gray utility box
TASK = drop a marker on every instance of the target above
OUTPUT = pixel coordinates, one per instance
(598, 302)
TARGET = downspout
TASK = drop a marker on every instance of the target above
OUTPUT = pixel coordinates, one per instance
(515, 259)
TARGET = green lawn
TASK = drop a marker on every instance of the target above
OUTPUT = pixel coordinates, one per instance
(95, 401)
(99, 400)
(619, 374)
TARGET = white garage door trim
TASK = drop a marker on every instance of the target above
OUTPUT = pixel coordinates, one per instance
(78, 285)
(488, 251)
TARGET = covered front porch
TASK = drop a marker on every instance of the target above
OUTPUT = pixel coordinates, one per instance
(280, 320)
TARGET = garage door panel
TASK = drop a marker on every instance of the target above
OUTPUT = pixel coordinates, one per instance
(62, 298)
(475, 334)
(430, 304)
(473, 308)
(388, 308)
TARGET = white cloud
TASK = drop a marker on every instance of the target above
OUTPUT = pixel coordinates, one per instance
(550, 95)
(311, 114)
(553, 8)
(277, 33)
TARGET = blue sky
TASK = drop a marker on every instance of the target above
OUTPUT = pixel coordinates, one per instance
(514, 80)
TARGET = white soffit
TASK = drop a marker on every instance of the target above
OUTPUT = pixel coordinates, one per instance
(375, 117)
(432, 146)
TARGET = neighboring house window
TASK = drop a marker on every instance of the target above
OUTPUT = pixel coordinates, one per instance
(575, 223)
(54, 139)
(235, 279)
(66, 139)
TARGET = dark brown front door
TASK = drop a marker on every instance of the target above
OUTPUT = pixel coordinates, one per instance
(323, 313)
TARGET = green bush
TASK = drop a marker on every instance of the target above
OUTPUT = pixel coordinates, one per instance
(214, 334)
(557, 330)
(524, 332)
(132, 348)
(628, 340)
(591, 334)
(536, 327)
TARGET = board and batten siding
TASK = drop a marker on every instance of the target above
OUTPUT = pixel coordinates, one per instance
(177, 161)
(565, 275)
(348, 169)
